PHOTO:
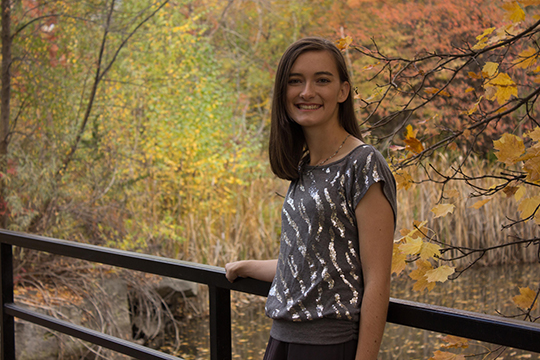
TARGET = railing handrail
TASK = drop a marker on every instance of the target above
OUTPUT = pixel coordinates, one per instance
(488, 328)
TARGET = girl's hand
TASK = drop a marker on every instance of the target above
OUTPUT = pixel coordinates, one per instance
(234, 270)
(264, 270)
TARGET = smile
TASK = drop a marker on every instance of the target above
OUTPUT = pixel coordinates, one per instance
(308, 107)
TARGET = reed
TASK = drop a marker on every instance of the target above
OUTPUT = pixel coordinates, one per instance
(250, 229)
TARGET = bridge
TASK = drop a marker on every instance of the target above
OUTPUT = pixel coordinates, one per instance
(492, 329)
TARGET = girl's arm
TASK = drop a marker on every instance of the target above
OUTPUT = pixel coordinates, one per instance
(375, 220)
(257, 269)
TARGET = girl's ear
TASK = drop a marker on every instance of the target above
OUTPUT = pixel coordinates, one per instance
(344, 91)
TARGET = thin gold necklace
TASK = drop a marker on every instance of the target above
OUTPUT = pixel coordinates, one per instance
(334, 154)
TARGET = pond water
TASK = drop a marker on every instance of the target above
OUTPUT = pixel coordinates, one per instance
(486, 290)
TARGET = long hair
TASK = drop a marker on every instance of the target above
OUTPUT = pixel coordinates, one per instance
(287, 142)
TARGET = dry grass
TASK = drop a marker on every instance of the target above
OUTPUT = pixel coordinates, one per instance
(251, 227)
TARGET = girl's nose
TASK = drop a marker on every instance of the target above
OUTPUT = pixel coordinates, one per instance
(307, 91)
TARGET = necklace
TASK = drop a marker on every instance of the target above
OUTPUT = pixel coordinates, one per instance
(334, 154)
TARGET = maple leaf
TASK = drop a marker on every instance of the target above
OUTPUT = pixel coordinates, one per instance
(398, 260)
(535, 133)
(525, 299)
(502, 87)
(413, 144)
(490, 69)
(343, 43)
(429, 250)
(514, 12)
(521, 191)
(455, 342)
(529, 2)
(509, 147)
(474, 75)
(442, 210)
(510, 190)
(439, 274)
(527, 208)
(445, 355)
(420, 276)
(411, 246)
(526, 58)
(532, 167)
(403, 180)
(477, 205)
(485, 33)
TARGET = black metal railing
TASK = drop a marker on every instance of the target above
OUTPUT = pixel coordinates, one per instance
(492, 329)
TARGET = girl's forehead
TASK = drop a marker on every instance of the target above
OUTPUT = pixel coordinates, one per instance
(315, 61)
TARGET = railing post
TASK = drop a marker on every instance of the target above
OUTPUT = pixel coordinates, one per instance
(220, 323)
(7, 342)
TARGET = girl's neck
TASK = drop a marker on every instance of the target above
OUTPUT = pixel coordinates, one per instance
(328, 146)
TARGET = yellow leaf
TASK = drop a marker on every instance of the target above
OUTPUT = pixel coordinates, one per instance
(469, 89)
(534, 134)
(410, 132)
(343, 43)
(490, 69)
(477, 205)
(529, 2)
(429, 250)
(444, 355)
(514, 12)
(411, 246)
(439, 274)
(510, 147)
(455, 342)
(420, 276)
(403, 180)
(398, 260)
(485, 33)
(526, 58)
(525, 300)
(521, 191)
(532, 167)
(504, 88)
(527, 207)
(442, 210)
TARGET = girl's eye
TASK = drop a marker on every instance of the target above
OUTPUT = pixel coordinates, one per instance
(323, 80)
(294, 81)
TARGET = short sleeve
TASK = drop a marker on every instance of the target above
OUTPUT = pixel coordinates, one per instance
(369, 168)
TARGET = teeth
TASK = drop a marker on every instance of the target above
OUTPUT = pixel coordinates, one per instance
(308, 107)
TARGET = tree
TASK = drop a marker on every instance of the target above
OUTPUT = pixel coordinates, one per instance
(451, 101)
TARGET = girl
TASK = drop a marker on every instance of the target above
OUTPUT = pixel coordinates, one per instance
(331, 281)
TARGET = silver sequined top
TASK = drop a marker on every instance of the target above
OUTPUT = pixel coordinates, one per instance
(317, 291)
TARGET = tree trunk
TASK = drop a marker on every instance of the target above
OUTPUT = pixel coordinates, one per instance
(5, 94)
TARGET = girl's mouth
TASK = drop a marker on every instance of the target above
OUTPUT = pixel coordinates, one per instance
(308, 106)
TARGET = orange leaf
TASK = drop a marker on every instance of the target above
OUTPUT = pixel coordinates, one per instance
(403, 180)
(343, 43)
(444, 355)
(420, 276)
(477, 205)
(429, 250)
(455, 342)
(526, 299)
(398, 260)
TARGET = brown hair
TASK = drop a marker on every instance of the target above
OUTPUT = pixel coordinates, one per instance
(287, 142)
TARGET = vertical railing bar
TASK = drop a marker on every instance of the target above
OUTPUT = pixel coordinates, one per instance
(7, 321)
(220, 323)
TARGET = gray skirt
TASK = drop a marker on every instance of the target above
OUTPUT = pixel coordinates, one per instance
(280, 350)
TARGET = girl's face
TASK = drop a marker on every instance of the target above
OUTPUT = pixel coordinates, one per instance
(314, 90)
